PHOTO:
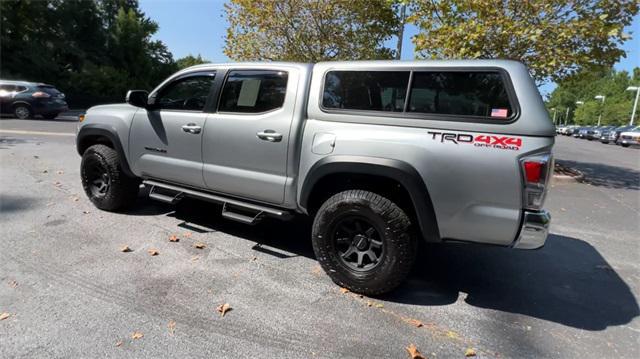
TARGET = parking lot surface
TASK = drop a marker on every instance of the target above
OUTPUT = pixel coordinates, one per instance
(70, 291)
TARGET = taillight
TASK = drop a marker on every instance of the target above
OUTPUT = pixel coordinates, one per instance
(40, 94)
(536, 171)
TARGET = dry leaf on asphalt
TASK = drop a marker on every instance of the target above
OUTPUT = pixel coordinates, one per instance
(369, 303)
(416, 323)
(125, 249)
(414, 353)
(60, 172)
(200, 245)
(4, 316)
(13, 284)
(172, 327)
(195, 258)
(174, 238)
(137, 335)
(223, 308)
(45, 171)
(453, 335)
(119, 343)
(75, 199)
(344, 290)
(470, 352)
(153, 252)
(86, 212)
(379, 306)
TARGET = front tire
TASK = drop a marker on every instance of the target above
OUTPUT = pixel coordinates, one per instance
(103, 180)
(364, 242)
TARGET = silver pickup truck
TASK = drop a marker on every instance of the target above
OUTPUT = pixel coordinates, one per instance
(380, 154)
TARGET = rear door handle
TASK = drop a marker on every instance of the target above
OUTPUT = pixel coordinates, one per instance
(269, 135)
(191, 128)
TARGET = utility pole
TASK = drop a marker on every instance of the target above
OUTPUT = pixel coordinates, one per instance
(635, 103)
(600, 97)
(403, 18)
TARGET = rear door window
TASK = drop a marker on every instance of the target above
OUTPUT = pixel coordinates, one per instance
(365, 90)
(253, 91)
(460, 93)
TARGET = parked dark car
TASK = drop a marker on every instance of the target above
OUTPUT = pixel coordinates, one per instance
(597, 132)
(27, 99)
(583, 132)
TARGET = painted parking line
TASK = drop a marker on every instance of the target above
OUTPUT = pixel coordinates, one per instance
(40, 133)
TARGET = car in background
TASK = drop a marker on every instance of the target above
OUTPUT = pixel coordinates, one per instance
(25, 99)
(570, 130)
(597, 132)
(583, 132)
(614, 135)
(629, 138)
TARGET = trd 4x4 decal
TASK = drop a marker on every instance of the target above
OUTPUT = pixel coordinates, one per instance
(493, 141)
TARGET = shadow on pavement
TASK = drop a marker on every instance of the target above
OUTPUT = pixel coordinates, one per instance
(10, 203)
(598, 174)
(566, 282)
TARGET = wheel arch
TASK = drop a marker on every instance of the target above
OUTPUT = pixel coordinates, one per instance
(394, 171)
(90, 135)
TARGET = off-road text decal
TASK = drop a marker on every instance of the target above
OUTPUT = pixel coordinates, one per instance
(492, 141)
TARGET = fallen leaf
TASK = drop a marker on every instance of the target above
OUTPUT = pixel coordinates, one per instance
(45, 171)
(137, 335)
(470, 352)
(195, 258)
(453, 335)
(119, 343)
(200, 245)
(254, 258)
(344, 290)
(172, 327)
(60, 172)
(4, 316)
(223, 308)
(125, 249)
(187, 235)
(379, 306)
(174, 238)
(414, 353)
(75, 199)
(13, 284)
(369, 303)
(153, 252)
(86, 212)
(416, 323)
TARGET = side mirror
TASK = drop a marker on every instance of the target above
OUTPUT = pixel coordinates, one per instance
(137, 98)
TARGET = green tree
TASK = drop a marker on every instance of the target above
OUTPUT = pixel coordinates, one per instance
(584, 86)
(190, 60)
(309, 30)
(92, 50)
(555, 38)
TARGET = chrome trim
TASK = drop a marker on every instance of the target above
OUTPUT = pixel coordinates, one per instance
(534, 230)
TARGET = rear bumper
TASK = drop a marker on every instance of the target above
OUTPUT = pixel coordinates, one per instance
(534, 230)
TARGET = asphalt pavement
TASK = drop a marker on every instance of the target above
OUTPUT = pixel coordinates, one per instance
(70, 291)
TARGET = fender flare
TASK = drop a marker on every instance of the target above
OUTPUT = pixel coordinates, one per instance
(103, 131)
(397, 170)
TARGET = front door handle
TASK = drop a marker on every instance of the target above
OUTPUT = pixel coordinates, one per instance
(269, 135)
(191, 128)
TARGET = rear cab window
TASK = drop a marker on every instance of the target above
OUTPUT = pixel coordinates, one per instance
(476, 95)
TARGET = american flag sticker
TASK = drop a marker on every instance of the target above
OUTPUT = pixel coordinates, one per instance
(498, 112)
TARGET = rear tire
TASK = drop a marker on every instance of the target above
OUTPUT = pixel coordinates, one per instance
(625, 144)
(22, 112)
(364, 242)
(103, 180)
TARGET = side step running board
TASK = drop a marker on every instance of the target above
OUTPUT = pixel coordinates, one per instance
(166, 198)
(226, 202)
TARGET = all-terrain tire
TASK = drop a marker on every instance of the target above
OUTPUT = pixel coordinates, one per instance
(393, 229)
(100, 162)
